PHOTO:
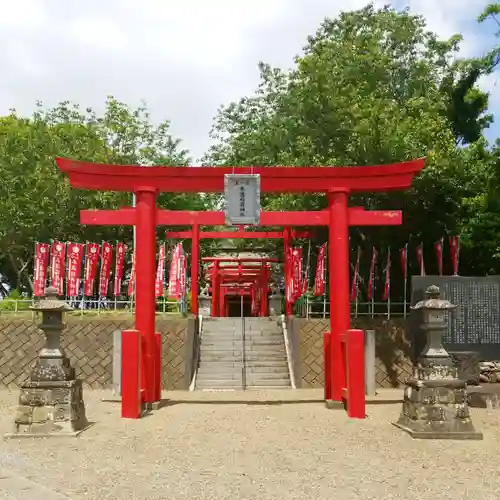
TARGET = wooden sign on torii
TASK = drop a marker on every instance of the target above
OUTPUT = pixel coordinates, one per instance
(336, 182)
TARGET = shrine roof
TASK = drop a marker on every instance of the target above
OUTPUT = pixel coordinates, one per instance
(280, 179)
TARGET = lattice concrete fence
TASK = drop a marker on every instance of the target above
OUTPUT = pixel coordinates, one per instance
(89, 345)
(393, 363)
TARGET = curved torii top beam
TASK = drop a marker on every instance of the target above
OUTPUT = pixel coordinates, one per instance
(103, 177)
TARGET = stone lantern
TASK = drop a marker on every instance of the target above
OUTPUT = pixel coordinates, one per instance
(435, 402)
(51, 402)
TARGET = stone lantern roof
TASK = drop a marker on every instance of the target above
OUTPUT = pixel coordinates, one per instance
(51, 302)
(433, 301)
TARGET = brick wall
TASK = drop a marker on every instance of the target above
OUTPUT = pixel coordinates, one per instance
(89, 345)
(393, 363)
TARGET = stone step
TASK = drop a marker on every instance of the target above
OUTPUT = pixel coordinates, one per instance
(237, 357)
(219, 384)
(269, 384)
(267, 369)
(238, 334)
(266, 375)
(248, 333)
(217, 331)
(239, 340)
(239, 348)
(222, 364)
(236, 377)
(236, 354)
(266, 364)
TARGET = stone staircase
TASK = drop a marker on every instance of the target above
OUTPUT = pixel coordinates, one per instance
(266, 365)
(232, 359)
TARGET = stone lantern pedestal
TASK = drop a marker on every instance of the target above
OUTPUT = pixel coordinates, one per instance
(51, 402)
(435, 402)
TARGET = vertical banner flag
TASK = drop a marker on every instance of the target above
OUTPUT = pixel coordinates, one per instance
(289, 277)
(420, 259)
(119, 266)
(131, 281)
(354, 286)
(182, 274)
(41, 265)
(75, 257)
(106, 260)
(297, 273)
(91, 260)
(387, 284)
(372, 274)
(438, 246)
(160, 271)
(455, 253)
(305, 285)
(319, 279)
(403, 257)
(173, 278)
(57, 261)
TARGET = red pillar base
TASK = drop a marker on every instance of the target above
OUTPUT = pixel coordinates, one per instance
(131, 374)
(327, 364)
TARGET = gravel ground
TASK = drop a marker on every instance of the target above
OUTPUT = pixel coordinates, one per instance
(247, 445)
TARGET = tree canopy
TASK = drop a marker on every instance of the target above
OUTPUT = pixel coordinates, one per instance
(372, 86)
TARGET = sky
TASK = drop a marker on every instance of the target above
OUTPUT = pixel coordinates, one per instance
(184, 58)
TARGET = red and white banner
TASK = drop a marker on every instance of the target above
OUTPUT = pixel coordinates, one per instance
(319, 279)
(455, 253)
(75, 257)
(160, 272)
(289, 276)
(41, 266)
(355, 278)
(106, 261)
(438, 247)
(131, 282)
(372, 273)
(420, 259)
(119, 266)
(403, 257)
(387, 283)
(57, 261)
(182, 274)
(174, 288)
(297, 273)
(91, 260)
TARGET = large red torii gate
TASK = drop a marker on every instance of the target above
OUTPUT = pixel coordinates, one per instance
(146, 183)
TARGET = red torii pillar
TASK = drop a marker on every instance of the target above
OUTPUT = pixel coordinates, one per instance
(337, 182)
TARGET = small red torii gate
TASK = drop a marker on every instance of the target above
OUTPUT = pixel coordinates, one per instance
(237, 269)
(196, 235)
(336, 182)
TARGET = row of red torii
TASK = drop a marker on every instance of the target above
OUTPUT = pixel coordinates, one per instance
(141, 370)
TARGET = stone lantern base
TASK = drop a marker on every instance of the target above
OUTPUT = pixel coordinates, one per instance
(50, 408)
(437, 409)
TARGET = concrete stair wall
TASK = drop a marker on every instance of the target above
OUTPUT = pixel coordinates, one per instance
(232, 359)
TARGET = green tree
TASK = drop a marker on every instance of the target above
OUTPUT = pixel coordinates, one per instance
(36, 201)
(372, 87)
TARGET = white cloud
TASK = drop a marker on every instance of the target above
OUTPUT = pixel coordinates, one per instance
(184, 58)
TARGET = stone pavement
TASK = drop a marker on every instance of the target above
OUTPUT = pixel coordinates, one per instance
(14, 487)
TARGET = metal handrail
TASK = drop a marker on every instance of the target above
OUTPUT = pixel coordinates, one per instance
(288, 351)
(243, 360)
(197, 353)
(90, 306)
